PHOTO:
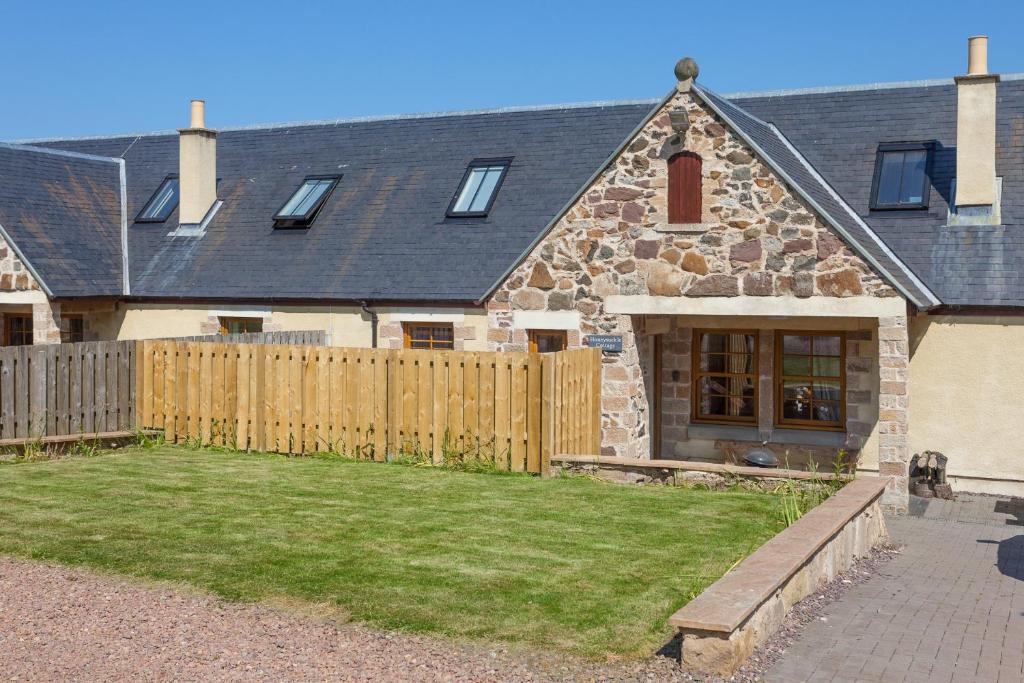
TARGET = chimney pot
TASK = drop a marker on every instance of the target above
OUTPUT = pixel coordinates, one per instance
(198, 118)
(977, 55)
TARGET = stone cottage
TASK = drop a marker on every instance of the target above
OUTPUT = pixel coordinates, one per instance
(823, 272)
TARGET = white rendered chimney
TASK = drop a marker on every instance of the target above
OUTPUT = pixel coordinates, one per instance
(197, 167)
(976, 128)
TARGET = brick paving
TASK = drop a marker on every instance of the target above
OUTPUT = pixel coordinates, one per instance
(949, 608)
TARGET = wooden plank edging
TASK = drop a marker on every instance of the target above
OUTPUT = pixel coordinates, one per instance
(729, 602)
(689, 466)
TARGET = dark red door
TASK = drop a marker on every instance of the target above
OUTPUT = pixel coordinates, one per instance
(684, 188)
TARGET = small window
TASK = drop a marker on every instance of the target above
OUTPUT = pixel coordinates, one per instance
(303, 206)
(240, 325)
(479, 187)
(17, 330)
(548, 341)
(725, 376)
(810, 379)
(685, 181)
(162, 203)
(440, 336)
(72, 329)
(901, 176)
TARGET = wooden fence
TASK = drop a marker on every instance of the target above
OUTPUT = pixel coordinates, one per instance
(516, 409)
(66, 389)
(304, 337)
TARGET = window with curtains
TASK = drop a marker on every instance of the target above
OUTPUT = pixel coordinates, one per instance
(439, 336)
(685, 179)
(810, 377)
(229, 325)
(725, 376)
(548, 341)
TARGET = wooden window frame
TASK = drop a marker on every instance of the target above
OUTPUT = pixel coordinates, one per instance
(679, 199)
(532, 335)
(408, 327)
(8, 332)
(780, 379)
(70, 317)
(225, 320)
(696, 374)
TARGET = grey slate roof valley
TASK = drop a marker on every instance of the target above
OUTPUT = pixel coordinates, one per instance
(62, 213)
(383, 234)
(839, 131)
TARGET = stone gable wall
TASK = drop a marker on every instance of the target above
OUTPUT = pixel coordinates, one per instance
(757, 238)
(14, 276)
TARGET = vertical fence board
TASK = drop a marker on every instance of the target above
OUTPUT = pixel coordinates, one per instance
(502, 410)
(533, 406)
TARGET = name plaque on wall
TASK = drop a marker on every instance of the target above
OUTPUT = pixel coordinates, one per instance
(608, 343)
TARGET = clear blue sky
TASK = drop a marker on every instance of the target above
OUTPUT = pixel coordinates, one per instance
(87, 68)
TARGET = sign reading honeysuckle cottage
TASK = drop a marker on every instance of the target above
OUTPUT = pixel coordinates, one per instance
(608, 343)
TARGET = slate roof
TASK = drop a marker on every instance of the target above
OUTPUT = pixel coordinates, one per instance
(839, 130)
(62, 213)
(383, 234)
(789, 162)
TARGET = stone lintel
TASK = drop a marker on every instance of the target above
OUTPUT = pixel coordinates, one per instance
(818, 306)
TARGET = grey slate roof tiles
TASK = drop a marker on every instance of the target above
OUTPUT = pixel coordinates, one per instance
(63, 212)
(383, 234)
(839, 133)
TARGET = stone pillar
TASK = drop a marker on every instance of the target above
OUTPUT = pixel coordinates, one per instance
(46, 323)
(893, 410)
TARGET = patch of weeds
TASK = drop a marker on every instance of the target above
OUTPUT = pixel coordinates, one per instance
(148, 441)
(799, 498)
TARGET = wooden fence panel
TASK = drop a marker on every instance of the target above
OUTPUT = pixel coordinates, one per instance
(515, 408)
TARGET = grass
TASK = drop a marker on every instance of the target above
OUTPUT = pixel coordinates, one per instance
(565, 563)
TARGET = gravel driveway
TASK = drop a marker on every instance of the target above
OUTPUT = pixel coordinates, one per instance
(58, 623)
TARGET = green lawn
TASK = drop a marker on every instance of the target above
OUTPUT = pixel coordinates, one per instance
(569, 563)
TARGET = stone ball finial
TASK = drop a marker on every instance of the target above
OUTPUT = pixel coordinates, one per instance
(687, 68)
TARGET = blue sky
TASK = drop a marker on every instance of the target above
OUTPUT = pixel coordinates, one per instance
(78, 68)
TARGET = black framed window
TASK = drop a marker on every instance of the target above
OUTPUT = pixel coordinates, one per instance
(901, 176)
(162, 203)
(479, 187)
(303, 206)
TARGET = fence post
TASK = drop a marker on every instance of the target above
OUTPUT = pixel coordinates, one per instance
(547, 425)
(37, 392)
(595, 399)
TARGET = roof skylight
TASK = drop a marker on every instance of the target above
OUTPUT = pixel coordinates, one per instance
(162, 203)
(302, 207)
(479, 187)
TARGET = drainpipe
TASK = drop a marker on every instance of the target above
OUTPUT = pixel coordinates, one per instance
(373, 323)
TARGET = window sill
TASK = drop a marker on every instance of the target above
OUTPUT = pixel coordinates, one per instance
(695, 228)
(797, 437)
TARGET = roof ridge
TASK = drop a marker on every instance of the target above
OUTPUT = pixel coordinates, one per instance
(58, 152)
(360, 119)
(885, 85)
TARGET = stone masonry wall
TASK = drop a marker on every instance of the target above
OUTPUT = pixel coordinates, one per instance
(14, 276)
(757, 238)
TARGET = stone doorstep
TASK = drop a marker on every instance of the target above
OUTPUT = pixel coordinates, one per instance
(687, 466)
(723, 626)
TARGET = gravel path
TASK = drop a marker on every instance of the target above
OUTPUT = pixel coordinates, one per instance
(60, 623)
